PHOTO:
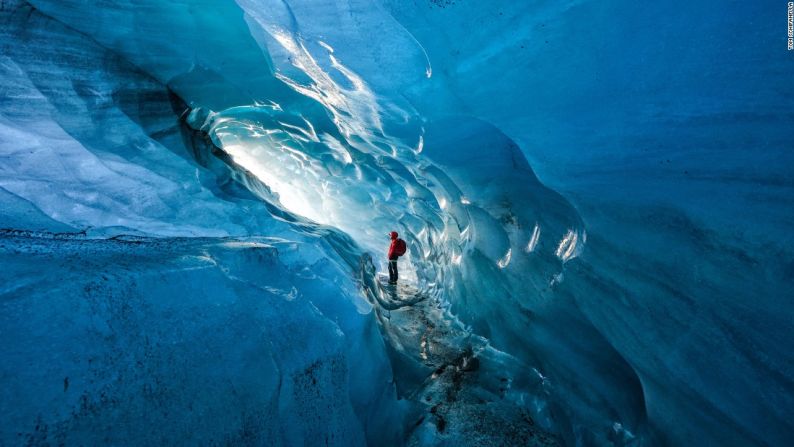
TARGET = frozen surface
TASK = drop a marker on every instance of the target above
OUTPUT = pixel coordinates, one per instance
(183, 341)
(204, 339)
(596, 198)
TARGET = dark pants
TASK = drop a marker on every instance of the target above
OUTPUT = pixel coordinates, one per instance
(393, 269)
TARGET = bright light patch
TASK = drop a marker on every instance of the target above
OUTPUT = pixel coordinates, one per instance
(505, 261)
(569, 246)
(533, 240)
(289, 195)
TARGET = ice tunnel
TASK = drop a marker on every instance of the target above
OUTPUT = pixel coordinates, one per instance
(196, 199)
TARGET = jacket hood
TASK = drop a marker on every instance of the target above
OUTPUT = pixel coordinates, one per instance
(393, 235)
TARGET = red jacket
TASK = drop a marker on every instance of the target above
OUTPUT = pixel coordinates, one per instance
(393, 244)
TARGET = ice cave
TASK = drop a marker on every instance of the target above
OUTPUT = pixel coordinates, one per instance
(596, 200)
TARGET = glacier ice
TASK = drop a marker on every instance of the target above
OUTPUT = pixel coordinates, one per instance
(195, 195)
(185, 341)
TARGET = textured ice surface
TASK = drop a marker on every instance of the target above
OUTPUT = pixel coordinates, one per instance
(638, 295)
(183, 341)
(161, 341)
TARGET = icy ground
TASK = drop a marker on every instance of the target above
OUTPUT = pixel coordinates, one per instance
(182, 341)
(467, 390)
(196, 197)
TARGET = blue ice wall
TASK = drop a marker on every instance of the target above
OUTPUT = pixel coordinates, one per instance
(669, 127)
(136, 307)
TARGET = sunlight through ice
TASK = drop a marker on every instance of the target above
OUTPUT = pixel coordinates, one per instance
(505, 261)
(533, 240)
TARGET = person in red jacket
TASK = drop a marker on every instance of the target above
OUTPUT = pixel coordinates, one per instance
(396, 249)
